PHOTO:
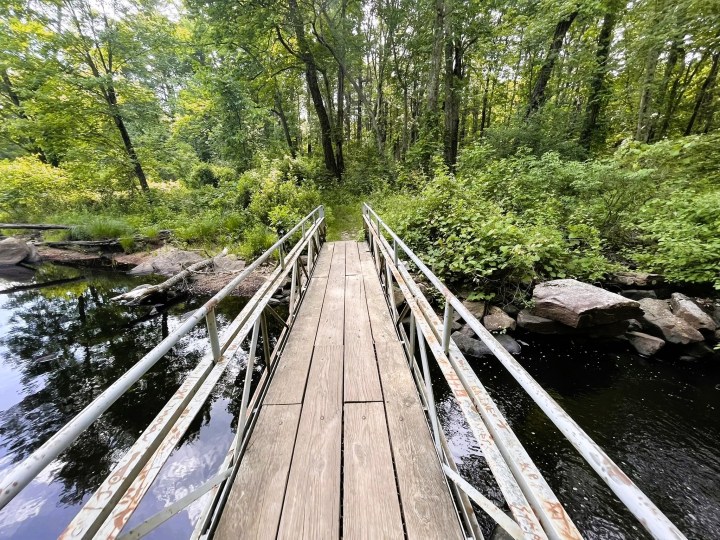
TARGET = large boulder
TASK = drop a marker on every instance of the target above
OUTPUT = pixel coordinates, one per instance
(645, 344)
(579, 305)
(14, 251)
(166, 262)
(690, 312)
(657, 316)
(540, 325)
(497, 320)
(476, 308)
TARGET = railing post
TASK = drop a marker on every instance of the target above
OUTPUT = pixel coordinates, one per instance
(265, 338)
(411, 348)
(429, 390)
(211, 322)
(281, 253)
(250, 366)
(395, 252)
(293, 287)
(447, 326)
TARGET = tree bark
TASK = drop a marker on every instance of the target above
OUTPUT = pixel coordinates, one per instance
(326, 130)
(704, 94)
(280, 111)
(453, 78)
(596, 100)
(643, 126)
(537, 96)
(673, 55)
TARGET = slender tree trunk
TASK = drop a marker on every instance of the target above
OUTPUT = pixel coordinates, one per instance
(326, 130)
(643, 126)
(537, 96)
(663, 89)
(280, 111)
(111, 98)
(705, 93)
(359, 125)
(453, 79)
(436, 62)
(596, 98)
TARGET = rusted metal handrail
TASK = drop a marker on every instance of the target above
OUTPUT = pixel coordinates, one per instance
(142, 462)
(446, 353)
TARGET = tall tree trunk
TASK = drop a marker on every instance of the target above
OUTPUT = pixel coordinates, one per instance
(596, 98)
(704, 93)
(673, 55)
(340, 120)
(326, 130)
(111, 98)
(359, 125)
(537, 96)
(436, 62)
(453, 79)
(280, 111)
(643, 126)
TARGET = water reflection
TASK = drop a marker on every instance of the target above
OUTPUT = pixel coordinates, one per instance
(60, 348)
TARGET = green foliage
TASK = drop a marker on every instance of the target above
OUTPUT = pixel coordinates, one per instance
(466, 236)
(257, 239)
(30, 189)
(100, 228)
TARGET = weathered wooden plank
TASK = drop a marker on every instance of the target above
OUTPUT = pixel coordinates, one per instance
(255, 501)
(288, 383)
(380, 321)
(427, 506)
(352, 259)
(330, 329)
(322, 264)
(371, 507)
(362, 382)
(312, 499)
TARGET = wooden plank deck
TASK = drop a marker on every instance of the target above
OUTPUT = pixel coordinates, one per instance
(341, 448)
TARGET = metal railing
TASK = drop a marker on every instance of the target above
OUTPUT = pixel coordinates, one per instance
(536, 510)
(106, 513)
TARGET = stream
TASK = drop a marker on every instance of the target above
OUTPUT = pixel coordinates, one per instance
(61, 345)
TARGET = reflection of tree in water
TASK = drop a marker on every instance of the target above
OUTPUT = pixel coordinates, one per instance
(71, 343)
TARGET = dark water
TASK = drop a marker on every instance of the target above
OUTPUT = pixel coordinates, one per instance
(659, 420)
(59, 348)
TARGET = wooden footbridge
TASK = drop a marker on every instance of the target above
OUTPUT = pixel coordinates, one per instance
(340, 438)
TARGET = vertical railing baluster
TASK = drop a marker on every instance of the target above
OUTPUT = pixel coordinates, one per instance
(211, 322)
(293, 288)
(447, 326)
(428, 389)
(411, 348)
(265, 338)
(250, 366)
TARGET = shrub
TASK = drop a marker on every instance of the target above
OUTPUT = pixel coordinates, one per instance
(203, 175)
(256, 241)
(29, 189)
(100, 228)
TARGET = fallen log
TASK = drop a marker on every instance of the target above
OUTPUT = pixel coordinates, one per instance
(140, 293)
(34, 226)
(80, 243)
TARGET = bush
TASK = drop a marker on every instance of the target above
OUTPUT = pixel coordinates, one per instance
(30, 190)
(256, 241)
(205, 174)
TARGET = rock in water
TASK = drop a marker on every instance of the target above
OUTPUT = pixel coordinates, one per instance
(673, 328)
(690, 312)
(644, 344)
(540, 325)
(497, 320)
(166, 262)
(579, 305)
(13, 251)
(470, 346)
